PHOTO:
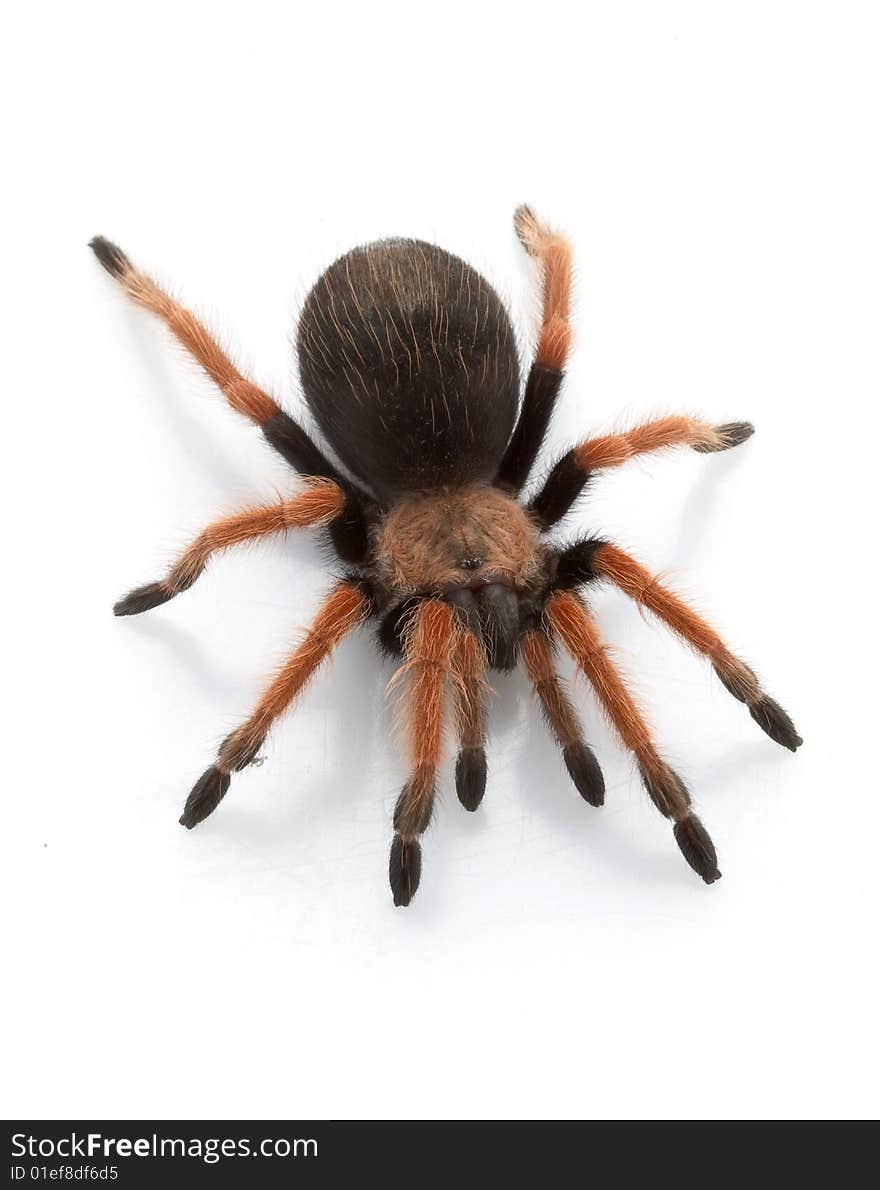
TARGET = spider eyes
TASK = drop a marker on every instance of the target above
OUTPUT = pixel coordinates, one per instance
(471, 563)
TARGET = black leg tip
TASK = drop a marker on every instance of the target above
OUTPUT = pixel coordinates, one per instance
(112, 258)
(583, 768)
(142, 599)
(732, 433)
(404, 869)
(697, 848)
(470, 777)
(207, 794)
(772, 719)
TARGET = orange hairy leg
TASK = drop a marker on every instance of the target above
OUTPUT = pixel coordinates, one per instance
(344, 609)
(613, 449)
(553, 253)
(349, 530)
(570, 621)
(429, 642)
(583, 768)
(244, 397)
(642, 586)
(469, 668)
(571, 473)
(319, 504)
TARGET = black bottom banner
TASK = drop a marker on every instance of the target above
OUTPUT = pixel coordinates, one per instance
(159, 1153)
(258, 1153)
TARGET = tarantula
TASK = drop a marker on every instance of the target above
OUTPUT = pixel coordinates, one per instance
(409, 366)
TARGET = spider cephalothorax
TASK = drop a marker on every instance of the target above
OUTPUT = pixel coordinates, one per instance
(474, 546)
(408, 363)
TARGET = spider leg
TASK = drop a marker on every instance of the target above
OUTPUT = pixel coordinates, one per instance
(567, 617)
(430, 639)
(469, 667)
(574, 470)
(583, 768)
(640, 585)
(349, 531)
(554, 253)
(345, 608)
(319, 504)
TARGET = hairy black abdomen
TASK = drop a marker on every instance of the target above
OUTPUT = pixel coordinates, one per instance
(409, 365)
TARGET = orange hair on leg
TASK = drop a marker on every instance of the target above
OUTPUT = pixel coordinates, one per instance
(614, 449)
(344, 609)
(583, 768)
(569, 619)
(535, 650)
(572, 471)
(429, 642)
(469, 668)
(321, 502)
(244, 397)
(554, 254)
(641, 586)
(469, 663)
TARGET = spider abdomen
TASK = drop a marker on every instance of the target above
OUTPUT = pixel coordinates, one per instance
(408, 362)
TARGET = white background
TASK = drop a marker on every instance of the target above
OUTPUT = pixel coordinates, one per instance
(716, 167)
